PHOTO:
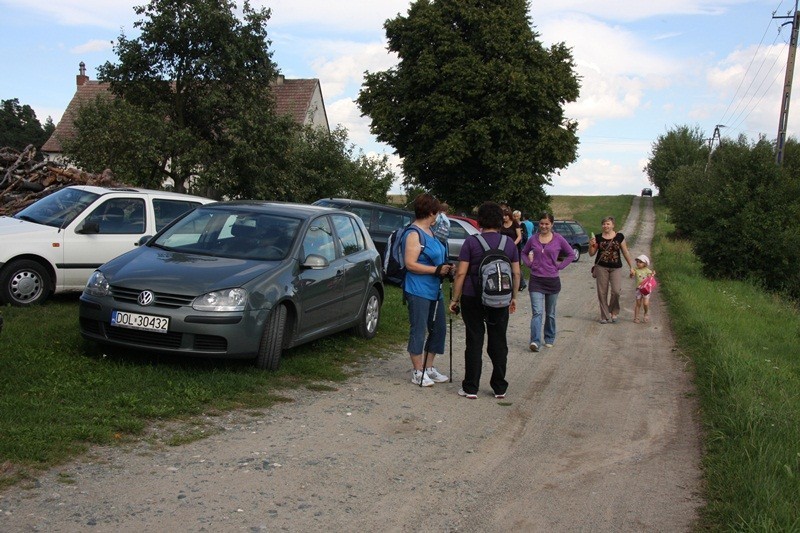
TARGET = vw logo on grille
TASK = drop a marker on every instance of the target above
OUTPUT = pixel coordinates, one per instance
(146, 298)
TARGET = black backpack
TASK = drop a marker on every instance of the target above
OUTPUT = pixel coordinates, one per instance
(394, 267)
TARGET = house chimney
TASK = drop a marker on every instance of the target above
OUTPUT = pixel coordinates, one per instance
(279, 79)
(81, 78)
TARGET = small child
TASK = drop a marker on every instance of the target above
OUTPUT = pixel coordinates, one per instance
(642, 271)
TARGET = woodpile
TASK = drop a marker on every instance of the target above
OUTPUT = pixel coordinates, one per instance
(23, 179)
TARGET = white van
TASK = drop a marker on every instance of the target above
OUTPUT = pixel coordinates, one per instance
(55, 244)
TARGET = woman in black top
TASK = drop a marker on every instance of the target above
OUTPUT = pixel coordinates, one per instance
(608, 268)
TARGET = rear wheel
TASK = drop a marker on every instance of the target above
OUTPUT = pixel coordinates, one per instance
(24, 283)
(370, 316)
(577, 252)
(271, 346)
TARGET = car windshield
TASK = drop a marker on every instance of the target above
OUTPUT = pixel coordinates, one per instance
(58, 209)
(234, 233)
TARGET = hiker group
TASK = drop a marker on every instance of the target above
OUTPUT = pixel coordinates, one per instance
(485, 283)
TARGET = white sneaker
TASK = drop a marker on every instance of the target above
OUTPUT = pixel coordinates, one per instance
(534, 347)
(436, 376)
(467, 395)
(420, 375)
(548, 345)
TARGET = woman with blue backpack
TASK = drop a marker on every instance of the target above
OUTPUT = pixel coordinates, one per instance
(425, 259)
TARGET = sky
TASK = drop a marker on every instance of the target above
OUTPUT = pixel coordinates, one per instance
(645, 67)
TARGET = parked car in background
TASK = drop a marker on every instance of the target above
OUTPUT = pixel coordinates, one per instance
(472, 221)
(573, 232)
(242, 279)
(460, 229)
(380, 219)
(54, 244)
(647, 191)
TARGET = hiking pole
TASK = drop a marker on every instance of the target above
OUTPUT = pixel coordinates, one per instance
(451, 333)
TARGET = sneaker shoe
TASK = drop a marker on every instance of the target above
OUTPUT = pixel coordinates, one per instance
(534, 347)
(418, 376)
(436, 376)
(468, 395)
(548, 345)
(500, 396)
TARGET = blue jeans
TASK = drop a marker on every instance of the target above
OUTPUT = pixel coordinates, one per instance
(426, 318)
(543, 304)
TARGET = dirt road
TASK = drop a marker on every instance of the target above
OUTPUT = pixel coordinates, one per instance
(597, 434)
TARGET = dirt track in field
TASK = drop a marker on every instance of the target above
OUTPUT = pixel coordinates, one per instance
(598, 433)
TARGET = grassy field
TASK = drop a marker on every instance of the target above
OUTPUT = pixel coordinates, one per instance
(60, 395)
(744, 345)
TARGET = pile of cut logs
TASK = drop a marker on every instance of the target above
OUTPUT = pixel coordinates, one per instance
(23, 179)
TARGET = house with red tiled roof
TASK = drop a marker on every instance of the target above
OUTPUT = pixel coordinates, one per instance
(299, 98)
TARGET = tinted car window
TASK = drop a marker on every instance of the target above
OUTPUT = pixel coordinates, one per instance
(576, 228)
(119, 216)
(348, 237)
(319, 239)
(457, 232)
(169, 210)
(364, 212)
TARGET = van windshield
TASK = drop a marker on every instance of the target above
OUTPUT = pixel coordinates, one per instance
(58, 209)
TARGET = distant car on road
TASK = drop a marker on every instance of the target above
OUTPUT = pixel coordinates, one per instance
(244, 279)
(54, 244)
(573, 232)
(380, 219)
(647, 191)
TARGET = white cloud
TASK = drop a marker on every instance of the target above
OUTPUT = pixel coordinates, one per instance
(630, 10)
(99, 13)
(95, 45)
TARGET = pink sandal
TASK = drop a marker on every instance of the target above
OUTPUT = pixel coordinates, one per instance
(636, 320)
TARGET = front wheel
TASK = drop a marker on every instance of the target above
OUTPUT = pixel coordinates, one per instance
(370, 316)
(271, 346)
(577, 252)
(24, 283)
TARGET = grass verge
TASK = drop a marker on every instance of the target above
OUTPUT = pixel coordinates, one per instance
(60, 394)
(744, 344)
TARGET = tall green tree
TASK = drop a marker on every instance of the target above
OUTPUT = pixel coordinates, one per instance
(205, 73)
(19, 126)
(679, 147)
(475, 104)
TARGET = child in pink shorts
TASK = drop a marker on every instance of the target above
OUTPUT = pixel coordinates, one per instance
(642, 272)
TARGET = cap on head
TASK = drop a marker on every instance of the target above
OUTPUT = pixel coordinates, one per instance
(644, 259)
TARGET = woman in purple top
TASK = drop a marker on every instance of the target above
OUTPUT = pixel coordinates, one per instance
(540, 254)
(479, 320)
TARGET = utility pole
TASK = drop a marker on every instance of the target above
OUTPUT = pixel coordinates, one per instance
(716, 136)
(787, 85)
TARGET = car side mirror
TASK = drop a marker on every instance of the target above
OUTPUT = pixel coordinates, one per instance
(315, 262)
(143, 240)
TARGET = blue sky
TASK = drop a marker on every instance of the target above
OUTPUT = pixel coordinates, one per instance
(646, 66)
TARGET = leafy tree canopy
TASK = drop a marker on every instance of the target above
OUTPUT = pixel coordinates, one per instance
(475, 105)
(681, 146)
(19, 126)
(192, 102)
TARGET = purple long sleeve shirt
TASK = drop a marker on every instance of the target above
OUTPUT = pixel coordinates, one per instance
(545, 262)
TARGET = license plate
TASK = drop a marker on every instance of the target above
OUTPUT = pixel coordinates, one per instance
(124, 319)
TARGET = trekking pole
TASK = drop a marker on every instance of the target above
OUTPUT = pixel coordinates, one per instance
(451, 333)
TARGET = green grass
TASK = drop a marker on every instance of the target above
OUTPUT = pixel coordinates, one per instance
(60, 394)
(590, 210)
(744, 345)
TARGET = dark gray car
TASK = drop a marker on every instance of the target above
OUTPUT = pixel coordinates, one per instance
(239, 279)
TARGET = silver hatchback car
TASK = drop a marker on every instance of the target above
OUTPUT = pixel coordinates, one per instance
(241, 279)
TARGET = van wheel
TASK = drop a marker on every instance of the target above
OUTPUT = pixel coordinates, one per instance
(370, 316)
(577, 252)
(271, 346)
(24, 283)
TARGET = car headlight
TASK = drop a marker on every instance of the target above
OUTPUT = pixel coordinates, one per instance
(97, 284)
(224, 300)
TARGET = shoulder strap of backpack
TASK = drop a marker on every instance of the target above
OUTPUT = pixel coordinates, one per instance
(483, 242)
(401, 243)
